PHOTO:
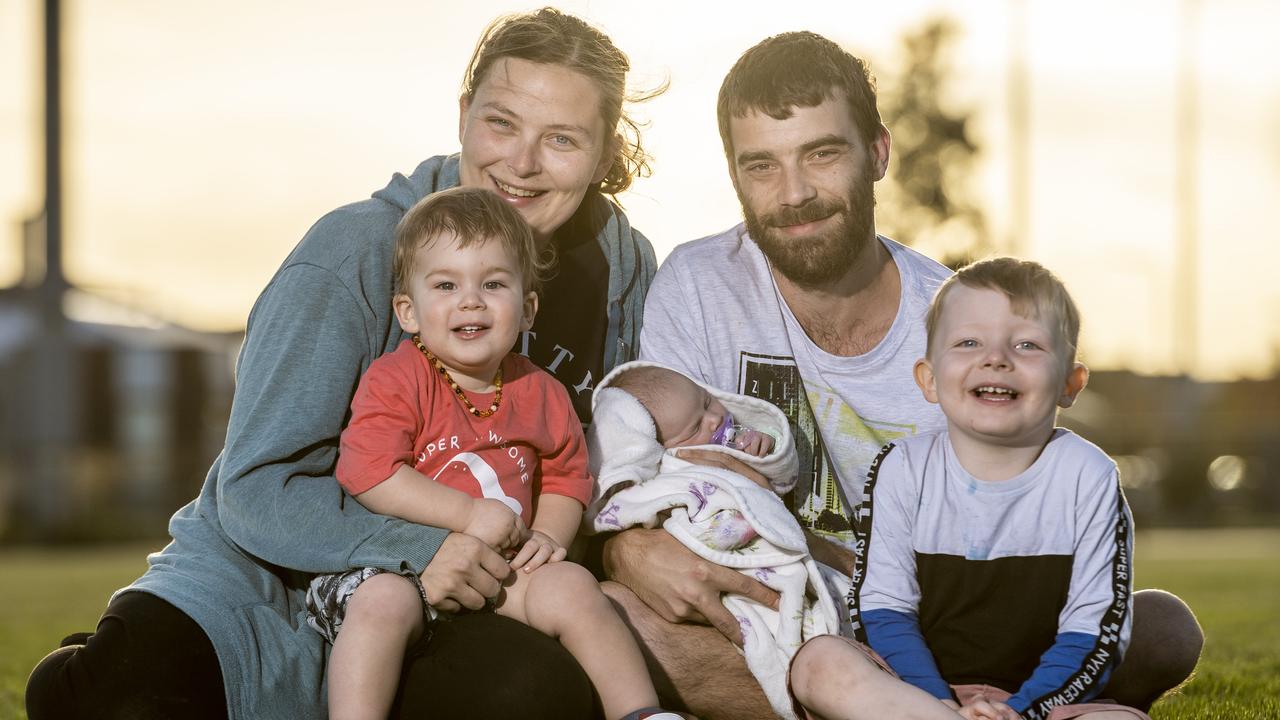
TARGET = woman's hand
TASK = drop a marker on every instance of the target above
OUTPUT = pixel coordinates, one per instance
(495, 524)
(677, 584)
(464, 573)
(711, 458)
(539, 549)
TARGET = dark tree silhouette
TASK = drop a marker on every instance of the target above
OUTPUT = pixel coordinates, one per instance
(928, 200)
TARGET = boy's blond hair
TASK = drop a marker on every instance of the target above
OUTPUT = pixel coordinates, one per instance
(1033, 292)
(472, 215)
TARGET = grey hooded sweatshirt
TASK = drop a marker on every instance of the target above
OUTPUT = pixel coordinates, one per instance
(270, 512)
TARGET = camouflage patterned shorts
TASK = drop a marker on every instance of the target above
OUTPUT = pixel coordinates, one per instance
(328, 595)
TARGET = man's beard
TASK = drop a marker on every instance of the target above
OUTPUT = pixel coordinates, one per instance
(821, 259)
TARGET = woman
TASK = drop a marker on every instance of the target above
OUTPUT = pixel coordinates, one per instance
(215, 627)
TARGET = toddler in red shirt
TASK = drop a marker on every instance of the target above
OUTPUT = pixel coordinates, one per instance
(454, 430)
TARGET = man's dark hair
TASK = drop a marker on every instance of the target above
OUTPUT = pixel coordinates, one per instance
(797, 69)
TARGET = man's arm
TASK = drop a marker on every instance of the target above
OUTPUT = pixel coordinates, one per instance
(693, 667)
(675, 582)
(829, 554)
(674, 332)
(667, 586)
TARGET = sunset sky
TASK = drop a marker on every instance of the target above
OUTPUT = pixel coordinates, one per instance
(202, 139)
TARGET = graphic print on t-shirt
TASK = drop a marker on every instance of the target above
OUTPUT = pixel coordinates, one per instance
(490, 467)
(816, 499)
(484, 476)
(862, 438)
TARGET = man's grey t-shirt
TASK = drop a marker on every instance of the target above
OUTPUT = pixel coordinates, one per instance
(715, 313)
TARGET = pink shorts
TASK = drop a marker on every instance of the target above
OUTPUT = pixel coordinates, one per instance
(968, 693)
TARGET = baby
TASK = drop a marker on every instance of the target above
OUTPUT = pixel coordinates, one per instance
(685, 414)
(643, 414)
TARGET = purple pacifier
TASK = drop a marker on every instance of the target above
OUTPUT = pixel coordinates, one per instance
(724, 434)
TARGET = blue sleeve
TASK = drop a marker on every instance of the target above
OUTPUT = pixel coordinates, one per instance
(1058, 664)
(1097, 619)
(896, 637)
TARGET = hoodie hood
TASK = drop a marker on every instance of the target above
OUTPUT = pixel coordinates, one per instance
(431, 175)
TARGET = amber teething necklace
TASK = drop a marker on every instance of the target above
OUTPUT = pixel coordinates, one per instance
(457, 390)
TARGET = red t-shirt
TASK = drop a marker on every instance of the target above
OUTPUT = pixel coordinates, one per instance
(404, 413)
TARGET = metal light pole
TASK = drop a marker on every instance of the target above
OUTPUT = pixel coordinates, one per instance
(1186, 284)
(1019, 132)
(49, 400)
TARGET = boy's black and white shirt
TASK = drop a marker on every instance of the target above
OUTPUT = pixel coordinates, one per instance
(1024, 584)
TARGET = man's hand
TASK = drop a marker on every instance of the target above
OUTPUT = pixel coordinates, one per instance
(464, 573)
(495, 524)
(540, 548)
(711, 458)
(677, 584)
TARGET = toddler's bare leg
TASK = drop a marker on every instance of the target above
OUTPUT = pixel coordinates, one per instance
(564, 601)
(834, 681)
(384, 616)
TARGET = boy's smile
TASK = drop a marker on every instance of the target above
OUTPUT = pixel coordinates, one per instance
(999, 377)
(468, 304)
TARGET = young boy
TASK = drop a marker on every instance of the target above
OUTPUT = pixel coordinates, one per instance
(454, 430)
(993, 565)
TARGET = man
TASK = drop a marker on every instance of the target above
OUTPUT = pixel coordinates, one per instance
(804, 305)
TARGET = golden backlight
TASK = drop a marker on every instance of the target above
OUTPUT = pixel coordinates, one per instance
(202, 140)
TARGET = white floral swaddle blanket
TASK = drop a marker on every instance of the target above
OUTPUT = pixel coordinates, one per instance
(723, 517)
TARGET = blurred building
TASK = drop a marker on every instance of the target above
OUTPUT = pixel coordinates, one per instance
(1190, 453)
(110, 416)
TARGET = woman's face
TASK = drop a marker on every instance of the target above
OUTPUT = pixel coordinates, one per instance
(532, 133)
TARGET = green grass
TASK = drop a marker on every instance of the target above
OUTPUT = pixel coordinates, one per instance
(52, 593)
(1230, 577)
